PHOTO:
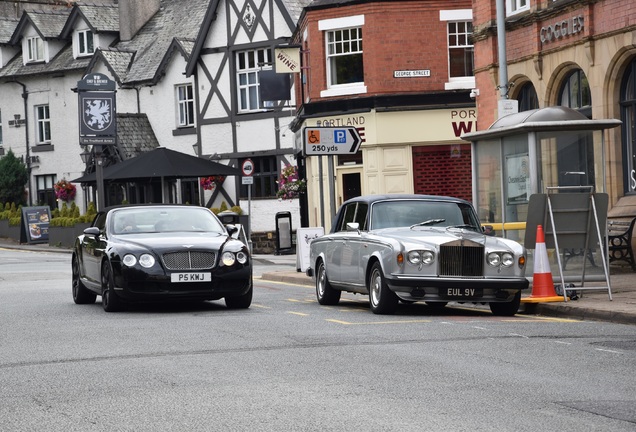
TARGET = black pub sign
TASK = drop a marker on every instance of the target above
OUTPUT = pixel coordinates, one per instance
(97, 113)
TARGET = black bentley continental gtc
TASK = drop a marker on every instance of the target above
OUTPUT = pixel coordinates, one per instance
(160, 252)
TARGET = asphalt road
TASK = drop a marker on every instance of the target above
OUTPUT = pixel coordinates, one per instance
(289, 364)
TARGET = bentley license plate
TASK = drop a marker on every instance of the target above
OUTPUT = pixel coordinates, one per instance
(191, 277)
(462, 292)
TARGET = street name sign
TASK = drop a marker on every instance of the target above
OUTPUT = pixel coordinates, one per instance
(320, 141)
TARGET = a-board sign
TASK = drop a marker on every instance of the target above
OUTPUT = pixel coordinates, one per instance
(304, 236)
(35, 224)
(331, 140)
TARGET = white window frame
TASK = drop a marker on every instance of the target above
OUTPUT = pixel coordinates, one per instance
(43, 124)
(457, 15)
(82, 37)
(514, 7)
(184, 94)
(338, 24)
(35, 49)
(248, 90)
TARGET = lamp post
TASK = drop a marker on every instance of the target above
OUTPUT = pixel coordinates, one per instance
(85, 155)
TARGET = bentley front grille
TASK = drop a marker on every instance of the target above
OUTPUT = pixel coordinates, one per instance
(462, 260)
(189, 260)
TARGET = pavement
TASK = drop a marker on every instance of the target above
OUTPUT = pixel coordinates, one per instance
(591, 304)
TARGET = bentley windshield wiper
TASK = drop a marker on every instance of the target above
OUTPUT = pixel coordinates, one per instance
(428, 222)
(467, 226)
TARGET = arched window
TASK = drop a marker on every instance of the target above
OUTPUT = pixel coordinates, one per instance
(575, 93)
(574, 157)
(628, 116)
(527, 98)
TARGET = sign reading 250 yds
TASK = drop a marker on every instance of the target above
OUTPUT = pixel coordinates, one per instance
(331, 140)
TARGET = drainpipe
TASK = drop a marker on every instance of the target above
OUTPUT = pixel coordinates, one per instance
(25, 96)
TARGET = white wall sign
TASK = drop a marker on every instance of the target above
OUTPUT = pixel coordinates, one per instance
(412, 73)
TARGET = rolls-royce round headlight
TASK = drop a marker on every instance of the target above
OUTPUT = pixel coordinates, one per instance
(228, 259)
(414, 257)
(507, 259)
(241, 257)
(146, 260)
(494, 259)
(129, 260)
(428, 257)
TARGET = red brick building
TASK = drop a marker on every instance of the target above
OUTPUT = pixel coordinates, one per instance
(580, 54)
(401, 72)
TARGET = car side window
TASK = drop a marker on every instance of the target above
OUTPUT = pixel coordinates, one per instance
(100, 221)
(348, 216)
(361, 216)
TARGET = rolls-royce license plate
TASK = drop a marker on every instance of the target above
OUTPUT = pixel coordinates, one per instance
(462, 292)
(191, 277)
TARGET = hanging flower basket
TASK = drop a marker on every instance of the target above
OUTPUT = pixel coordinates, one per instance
(289, 185)
(65, 190)
(209, 183)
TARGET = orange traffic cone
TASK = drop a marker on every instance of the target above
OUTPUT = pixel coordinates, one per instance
(542, 282)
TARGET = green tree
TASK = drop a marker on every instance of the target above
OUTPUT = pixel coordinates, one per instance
(13, 178)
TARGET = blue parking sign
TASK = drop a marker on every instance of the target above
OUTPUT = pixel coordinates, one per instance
(340, 136)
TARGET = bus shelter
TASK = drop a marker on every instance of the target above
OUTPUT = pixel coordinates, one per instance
(525, 153)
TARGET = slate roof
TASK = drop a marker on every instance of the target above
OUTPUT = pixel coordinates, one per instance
(7, 27)
(104, 18)
(49, 24)
(135, 135)
(116, 61)
(100, 18)
(179, 19)
(295, 7)
(62, 62)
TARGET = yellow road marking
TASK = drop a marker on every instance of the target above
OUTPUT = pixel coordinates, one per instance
(260, 306)
(377, 322)
(297, 313)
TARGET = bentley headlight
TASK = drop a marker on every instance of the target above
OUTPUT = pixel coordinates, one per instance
(421, 257)
(414, 257)
(494, 259)
(507, 259)
(428, 257)
(241, 257)
(129, 260)
(228, 259)
(146, 260)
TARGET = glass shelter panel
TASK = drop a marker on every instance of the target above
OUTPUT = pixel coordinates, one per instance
(488, 180)
(570, 159)
(516, 187)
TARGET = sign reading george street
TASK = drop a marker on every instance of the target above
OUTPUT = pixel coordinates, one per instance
(321, 141)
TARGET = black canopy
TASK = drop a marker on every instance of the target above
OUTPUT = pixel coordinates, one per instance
(161, 163)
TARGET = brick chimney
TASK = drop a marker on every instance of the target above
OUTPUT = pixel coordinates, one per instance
(133, 14)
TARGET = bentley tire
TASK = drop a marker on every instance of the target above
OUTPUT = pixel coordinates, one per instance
(110, 301)
(325, 293)
(240, 302)
(81, 294)
(382, 300)
(508, 308)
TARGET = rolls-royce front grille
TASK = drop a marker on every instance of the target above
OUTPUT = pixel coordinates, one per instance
(189, 260)
(461, 260)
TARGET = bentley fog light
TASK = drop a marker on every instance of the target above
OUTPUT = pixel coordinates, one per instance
(129, 260)
(228, 259)
(146, 260)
